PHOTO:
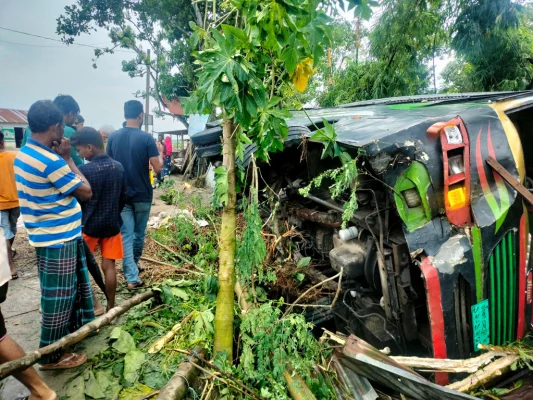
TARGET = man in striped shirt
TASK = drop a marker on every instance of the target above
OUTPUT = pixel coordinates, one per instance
(48, 183)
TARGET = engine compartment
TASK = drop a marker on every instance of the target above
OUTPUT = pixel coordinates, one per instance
(383, 298)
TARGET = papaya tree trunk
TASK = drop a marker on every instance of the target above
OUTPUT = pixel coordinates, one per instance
(226, 271)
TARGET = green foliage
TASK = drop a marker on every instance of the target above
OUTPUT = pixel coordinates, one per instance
(252, 248)
(242, 68)
(328, 137)
(220, 195)
(171, 197)
(343, 180)
(131, 25)
(491, 41)
(123, 343)
(270, 344)
(197, 244)
(492, 52)
(167, 184)
(211, 287)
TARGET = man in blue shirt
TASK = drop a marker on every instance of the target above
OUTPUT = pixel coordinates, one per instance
(135, 150)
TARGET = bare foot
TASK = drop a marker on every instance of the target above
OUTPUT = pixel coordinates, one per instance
(49, 394)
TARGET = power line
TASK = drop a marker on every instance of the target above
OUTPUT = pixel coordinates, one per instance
(32, 45)
(60, 41)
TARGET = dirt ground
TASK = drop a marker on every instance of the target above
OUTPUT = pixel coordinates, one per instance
(21, 309)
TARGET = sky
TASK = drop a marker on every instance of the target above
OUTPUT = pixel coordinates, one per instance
(34, 69)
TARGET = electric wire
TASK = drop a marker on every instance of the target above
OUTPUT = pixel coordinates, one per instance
(55, 40)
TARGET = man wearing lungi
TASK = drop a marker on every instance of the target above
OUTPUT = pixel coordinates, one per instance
(48, 183)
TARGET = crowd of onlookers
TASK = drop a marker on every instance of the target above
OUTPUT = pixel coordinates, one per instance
(76, 188)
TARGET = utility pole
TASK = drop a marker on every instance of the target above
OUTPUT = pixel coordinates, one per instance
(357, 40)
(147, 99)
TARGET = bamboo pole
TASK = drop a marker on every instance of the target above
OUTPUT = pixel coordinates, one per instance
(162, 341)
(297, 387)
(178, 386)
(469, 365)
(12, 367)
(483, 377)
(226, 272)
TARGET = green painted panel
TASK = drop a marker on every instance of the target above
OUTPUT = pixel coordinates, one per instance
(416, 176)
(478, 261)
(492, 299)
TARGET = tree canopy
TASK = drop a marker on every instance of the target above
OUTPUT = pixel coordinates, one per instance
(489, 41)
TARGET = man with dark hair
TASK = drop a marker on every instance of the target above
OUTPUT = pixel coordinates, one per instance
(9, 202)
(80, 121)
(101, 215)
(135, 150)
(70, 109)
(49, 184)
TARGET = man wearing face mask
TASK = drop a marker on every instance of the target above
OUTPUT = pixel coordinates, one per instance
(49, 185)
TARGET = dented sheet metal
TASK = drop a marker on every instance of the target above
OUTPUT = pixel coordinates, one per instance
(367, 361)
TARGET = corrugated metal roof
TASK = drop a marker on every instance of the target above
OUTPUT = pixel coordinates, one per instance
(13, 116)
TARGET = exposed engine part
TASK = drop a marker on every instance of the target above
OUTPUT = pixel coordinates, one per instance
(350, 256)
(324, 241)
(348, 233)
(325, 203)
(329, 219)
(372, 325)
(406, 294)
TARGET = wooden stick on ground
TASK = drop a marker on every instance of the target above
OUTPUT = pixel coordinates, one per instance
(11, 367)
(185, 271)
(178, 386)
(162, 341)
(181, 257)
(339, 275)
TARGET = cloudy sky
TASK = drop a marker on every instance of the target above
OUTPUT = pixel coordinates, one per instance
(32, 68)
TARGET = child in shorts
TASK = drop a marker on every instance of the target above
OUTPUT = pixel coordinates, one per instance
(101, 221)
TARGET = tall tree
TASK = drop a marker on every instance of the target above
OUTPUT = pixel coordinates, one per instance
(159, 25)
(406, 38)
(242, 70)
(493, 40)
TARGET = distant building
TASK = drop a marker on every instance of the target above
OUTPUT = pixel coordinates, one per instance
(12, 124)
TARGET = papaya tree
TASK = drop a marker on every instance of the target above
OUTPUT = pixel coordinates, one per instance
(242, 70)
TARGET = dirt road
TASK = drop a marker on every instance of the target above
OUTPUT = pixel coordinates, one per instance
(21, 309)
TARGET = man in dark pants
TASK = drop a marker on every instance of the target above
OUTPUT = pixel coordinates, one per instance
(135, 150)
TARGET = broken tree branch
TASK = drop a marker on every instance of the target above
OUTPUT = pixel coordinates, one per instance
(185, 271)
(484, 376)
(178, 386)
(162, 341)
(12, 367)
(469, 365)
(182, 258)
(296, 385)
(339, 275)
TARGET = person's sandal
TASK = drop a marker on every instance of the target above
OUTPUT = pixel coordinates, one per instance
(67, 361)
(135, 286)
(15, 276)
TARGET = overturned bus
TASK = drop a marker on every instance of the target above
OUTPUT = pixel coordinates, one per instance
(439, 257)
